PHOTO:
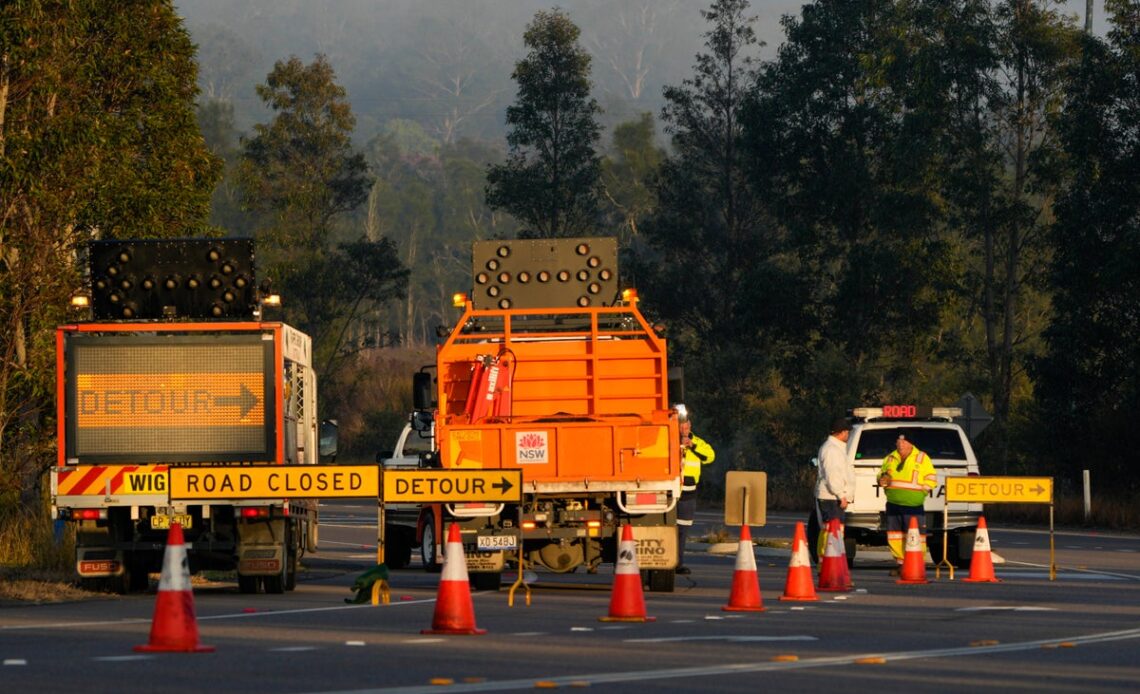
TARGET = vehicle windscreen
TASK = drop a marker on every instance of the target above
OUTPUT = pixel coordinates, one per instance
(943, 444)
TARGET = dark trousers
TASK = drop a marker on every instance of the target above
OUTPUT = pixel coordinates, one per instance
(686, 509)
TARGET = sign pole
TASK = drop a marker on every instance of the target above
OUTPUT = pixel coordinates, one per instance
(945, 545)
(380, 588)
(1052, 554)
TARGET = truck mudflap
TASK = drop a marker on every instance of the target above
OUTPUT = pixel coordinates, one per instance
(99, 562)
(261, 548)
(656, 546)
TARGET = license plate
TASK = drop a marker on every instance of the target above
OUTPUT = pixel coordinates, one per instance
(162, 521)
(496, 542)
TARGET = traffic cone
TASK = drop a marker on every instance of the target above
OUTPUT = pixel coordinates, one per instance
(627, 603)
(798, 585)
(454, 613)
(982, 563)
(745, 595)
(174, 627)
(834, 577)
(914, 561)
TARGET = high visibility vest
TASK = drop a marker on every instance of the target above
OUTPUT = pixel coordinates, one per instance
(910, 480)
(691, 461)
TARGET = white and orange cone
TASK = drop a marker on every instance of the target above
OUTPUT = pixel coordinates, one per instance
(174, 628)
(745, 595)
(454, 612)
(627, 602)
(834, 576)
(914, 561)
(798, 585)
(982, 562)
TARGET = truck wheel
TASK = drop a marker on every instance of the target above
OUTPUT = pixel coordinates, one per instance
(311, 536)
(486, 581)
(850, 547)
(428, 547)
(962, 547)
(661, 580)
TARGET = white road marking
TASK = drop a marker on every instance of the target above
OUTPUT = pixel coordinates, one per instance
(749, 667)
(292, 649)
(15, 661)
(669, 639)
(121, 658)
(1011, 608)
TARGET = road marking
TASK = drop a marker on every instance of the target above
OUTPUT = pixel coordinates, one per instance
(1011, 608)
(1067, 572)
(671, 639)
(752, 667)
(121, 658)
(15, 661)
(292, 649)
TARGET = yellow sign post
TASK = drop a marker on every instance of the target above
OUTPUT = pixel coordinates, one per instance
(451, 486)
(1001, 490)
(274, 481)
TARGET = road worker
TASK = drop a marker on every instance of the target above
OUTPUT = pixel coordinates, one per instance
(835, 487)
(907, 475)
(695, 453)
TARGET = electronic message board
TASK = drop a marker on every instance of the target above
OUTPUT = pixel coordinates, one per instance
(169, 398)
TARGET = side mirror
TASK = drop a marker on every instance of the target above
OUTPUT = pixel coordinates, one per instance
(327, 439)
(421, 421)
(421, 390)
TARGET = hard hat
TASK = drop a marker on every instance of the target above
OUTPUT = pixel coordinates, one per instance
(682, 412)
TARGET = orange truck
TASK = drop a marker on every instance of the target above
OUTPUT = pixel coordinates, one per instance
(552, 370)
(173, 366)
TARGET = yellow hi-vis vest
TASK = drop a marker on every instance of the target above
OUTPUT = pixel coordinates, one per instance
(911, 480)
(700, 454)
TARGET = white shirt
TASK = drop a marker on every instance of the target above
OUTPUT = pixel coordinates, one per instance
(836, 477)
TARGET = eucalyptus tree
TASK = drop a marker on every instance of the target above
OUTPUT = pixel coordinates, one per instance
(550, 179)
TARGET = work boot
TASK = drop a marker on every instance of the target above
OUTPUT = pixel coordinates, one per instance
(683, 570)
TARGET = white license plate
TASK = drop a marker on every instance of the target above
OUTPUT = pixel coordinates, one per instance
(162, 521)
(496, 542)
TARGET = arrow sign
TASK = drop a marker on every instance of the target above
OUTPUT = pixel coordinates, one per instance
(503, 485)
(451, 486)
(991, 490)
(246, 400)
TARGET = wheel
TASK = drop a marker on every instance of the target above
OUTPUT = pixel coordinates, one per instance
(486, 581)
(247, 584)
(398, 546)
(661, 580)
(849, 548)
(311, 536)
(962, 547)
(428, 547)
(813, 538)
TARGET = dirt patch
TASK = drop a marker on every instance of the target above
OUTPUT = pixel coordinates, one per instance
(23, 587)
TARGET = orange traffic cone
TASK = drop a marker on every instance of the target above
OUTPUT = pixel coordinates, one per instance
(834, 577)
(982, 563)
(745, 595)
(174, 628)
(798, 585)
(454, 613)
(914, 561)
(627, 603)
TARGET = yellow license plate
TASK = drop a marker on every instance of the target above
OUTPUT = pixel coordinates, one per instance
(162, 521)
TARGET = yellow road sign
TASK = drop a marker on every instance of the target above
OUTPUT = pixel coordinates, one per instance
(1020, 490)
(275, 482)
(451, 486)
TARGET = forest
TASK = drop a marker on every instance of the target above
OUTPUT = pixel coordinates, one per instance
(882, 201)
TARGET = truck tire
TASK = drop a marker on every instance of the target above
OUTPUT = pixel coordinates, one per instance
(661, 580)
(813, 538)
(850, 547)
(398, 546)
(486, 581)
(311, 536)
(428, 554)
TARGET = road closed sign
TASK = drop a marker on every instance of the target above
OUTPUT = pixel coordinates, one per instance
(452, 486)
(990, 490)
(274, 482)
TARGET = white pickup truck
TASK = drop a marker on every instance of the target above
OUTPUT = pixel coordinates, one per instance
(935, 432)
(415, 448)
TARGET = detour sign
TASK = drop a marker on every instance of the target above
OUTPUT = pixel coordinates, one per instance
(1020, 490)
(268, 482)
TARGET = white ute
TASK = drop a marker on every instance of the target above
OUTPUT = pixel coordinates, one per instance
(935, 432)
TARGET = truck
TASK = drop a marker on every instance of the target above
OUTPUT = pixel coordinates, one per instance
(550, 369)
(938, 432)
(172, 365)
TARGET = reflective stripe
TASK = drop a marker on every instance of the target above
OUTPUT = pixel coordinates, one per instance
(684, 522)
(896, 484)
(688, 488)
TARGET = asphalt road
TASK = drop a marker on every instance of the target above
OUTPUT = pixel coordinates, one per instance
(1077, 633)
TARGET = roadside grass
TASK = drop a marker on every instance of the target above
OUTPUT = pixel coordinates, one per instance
(34, 566)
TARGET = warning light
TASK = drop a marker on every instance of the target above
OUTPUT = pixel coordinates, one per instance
(80, 301)
(459, 300)
(629, 296)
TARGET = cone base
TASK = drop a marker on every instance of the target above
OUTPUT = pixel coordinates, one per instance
(457, 632)
(809, 598)
(981, 580)
(627, 619)
(734, 608)
(911, 581)
(148, 648)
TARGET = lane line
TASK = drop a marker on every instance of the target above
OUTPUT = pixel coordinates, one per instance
(745, 668)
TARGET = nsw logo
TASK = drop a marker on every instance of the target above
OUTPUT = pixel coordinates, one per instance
(531, 447)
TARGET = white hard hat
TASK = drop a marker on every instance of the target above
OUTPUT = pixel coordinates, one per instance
(682, 412)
